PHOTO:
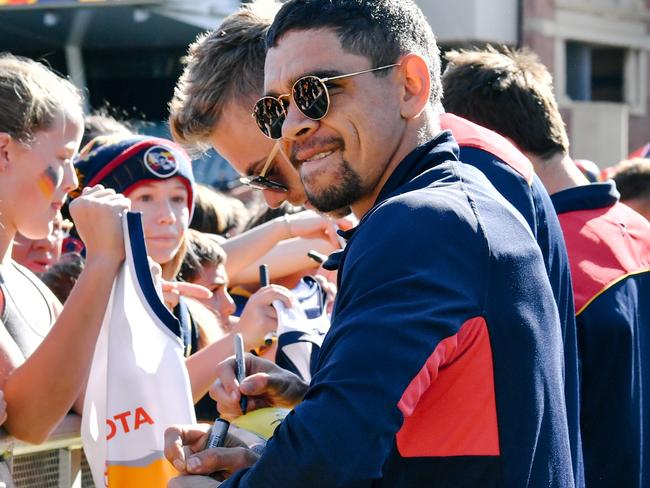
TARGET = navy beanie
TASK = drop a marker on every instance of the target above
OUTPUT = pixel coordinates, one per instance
(124, 162)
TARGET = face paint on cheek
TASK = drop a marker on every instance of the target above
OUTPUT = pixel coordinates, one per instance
(49, 181)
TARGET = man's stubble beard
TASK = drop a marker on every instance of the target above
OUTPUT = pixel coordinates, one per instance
(338, 198)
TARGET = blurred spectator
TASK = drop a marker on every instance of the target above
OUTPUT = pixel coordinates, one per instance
(212, 107)
(589, 169)
(63, 275)
(39, 255)
(217, 213)
(642, 152)
(203, 264)
(632, 179)
(156, 175)
(100, 123)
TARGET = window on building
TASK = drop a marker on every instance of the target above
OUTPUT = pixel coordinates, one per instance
(595, 72)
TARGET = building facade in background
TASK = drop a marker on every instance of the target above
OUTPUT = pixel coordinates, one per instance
(127, 54)
(597, 51)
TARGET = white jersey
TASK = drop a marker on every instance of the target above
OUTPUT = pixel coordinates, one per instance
(138, 383)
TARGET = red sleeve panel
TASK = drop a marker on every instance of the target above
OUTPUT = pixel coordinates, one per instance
(605, 245)
(458, 417)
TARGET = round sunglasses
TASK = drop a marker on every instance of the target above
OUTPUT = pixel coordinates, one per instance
(310, 95)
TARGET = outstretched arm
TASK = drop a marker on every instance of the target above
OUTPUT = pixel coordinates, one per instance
(41, 390)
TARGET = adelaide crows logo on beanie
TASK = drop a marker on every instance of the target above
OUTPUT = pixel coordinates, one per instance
(160, 161)
(123, 162)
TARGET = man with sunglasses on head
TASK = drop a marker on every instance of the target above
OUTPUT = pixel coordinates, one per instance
(443, 365)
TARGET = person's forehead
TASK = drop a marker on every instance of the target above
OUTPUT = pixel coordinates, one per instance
(64, 133)
(170, 184)
(215, 274)
(300, 53)
(237, 138)
(221, 272)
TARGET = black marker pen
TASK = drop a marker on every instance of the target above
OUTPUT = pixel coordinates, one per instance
(316, 256)
(264, 276)
(265, 281)
(218, 433)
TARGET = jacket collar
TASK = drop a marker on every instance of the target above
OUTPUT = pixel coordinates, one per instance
(586, 197)
(441, 148)
(420, 160)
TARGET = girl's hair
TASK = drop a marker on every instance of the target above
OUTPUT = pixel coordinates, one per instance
(31, 97)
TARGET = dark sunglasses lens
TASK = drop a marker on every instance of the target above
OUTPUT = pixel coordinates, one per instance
(250, 182)
(273, 186)
(269, 115)
(310, 95)
(261, 183)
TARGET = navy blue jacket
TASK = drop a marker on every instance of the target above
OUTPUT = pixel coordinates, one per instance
(609, 250)
(443, 365)
(513, 176)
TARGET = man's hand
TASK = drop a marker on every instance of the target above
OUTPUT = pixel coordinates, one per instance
(193, 482)
(267, 385)
(184, 449)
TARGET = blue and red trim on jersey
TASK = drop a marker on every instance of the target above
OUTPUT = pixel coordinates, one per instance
(607, 241)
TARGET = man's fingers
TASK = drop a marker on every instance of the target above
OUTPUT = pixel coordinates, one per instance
(256, 384)
(193, 482)
(228, 459)
(174, 447)
(179, 436)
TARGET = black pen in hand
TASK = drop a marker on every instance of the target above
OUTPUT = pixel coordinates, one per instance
(240, 368)
(265, 281)
(218, 433)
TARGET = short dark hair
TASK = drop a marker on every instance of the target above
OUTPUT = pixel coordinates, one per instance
(63, 275)
(510, 92)
(632, 179)
(381, 30)
(202, 250)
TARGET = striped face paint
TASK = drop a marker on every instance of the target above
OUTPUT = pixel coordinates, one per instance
(49, 181)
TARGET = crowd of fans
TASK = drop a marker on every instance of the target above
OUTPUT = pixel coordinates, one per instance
(492, 320)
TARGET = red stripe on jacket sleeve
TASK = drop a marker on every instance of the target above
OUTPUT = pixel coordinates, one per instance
(469, 134)
(449, 407)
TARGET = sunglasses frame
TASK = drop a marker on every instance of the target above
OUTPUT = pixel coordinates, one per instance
(289, 95)
(261, 182)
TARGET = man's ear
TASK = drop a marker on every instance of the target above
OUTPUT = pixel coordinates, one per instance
(416, 83)
(5, 140)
